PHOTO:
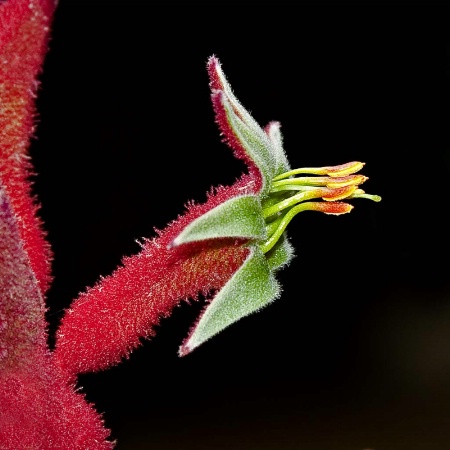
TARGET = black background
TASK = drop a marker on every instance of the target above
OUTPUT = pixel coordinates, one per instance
(356, 353)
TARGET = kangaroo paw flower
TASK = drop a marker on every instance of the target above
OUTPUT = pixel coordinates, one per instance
(228, 249)
(279, 196)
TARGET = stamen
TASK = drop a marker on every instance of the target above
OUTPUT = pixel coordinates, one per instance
(291, 201)
(350, 180)
(276, 229)
(345, 169)
(322, 181)
(359, 193)
(332, 171)
(339, 193)
(324, 193)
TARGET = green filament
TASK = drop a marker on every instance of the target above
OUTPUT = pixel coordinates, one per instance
(306, 170)
(289, 202)
(303, 181)
(276, 228)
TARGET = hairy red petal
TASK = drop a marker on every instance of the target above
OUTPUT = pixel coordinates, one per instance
(22, 323)
(38, 408)
(107, 321)
(24, 26)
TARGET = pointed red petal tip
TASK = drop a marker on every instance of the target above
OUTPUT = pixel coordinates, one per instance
(213, 68)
